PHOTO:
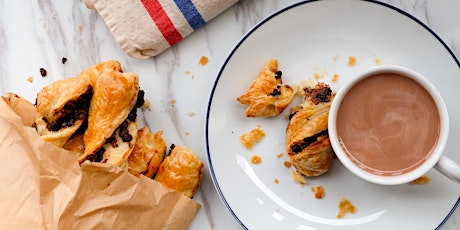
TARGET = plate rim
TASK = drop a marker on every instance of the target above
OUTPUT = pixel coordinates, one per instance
(256, 27)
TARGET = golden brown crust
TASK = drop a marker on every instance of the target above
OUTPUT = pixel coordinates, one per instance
(51, 105)
(181, 171)
(91, 73)
(114, 96)
(148, 153)
(267, 96)
(308, 145)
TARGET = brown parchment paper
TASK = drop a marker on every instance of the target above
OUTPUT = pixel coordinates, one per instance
(43, 186)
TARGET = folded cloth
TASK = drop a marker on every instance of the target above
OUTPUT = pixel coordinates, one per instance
(145, 28)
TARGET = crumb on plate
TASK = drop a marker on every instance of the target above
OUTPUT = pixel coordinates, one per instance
(255, 159)
(421, 180)
(351, 60)
(335, 78)
(30, 79)
(203, 60)
(345, 206)
(287, 164)
(318, 191)
(250, 138)
(298, 177)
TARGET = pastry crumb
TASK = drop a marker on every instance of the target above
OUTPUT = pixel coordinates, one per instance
(318, 191)
(203, 60)
(345, 206)
(255, 159)
(190, 113)
(146, 105)
(335, 57)
(351, 60)
(421, 180)
(335, 78)
(250, 138)
(187, 72)
(187, 133)
(287, 164)
(298, 177)
(279, 155)
(80, 28)
(377, 61)
(30, 79)
(277, 181)
(172, 101)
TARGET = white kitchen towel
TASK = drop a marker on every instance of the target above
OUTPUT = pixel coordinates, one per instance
(145, 28)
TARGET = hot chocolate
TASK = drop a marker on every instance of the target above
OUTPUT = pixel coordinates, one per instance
(388, 124)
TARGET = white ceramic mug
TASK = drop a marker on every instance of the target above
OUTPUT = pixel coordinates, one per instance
(436, 159)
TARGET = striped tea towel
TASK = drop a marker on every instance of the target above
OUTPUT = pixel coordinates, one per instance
(145, 28)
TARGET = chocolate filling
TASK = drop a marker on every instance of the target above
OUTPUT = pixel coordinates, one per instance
(72, 112)
(297, 148)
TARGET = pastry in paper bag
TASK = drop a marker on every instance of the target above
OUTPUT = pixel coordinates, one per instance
(146, 28)
(44, 187)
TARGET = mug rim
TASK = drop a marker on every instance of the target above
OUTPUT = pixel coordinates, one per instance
(390, 179)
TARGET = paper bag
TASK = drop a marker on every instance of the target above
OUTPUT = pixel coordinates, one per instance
(44, 187)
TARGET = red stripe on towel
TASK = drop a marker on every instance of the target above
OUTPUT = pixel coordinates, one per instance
(162, 20)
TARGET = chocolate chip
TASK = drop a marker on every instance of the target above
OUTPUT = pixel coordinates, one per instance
(43, 72)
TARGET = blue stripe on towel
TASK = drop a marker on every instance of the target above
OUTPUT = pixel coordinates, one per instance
(190, 13)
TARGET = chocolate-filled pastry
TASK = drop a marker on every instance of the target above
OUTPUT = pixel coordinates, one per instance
(267, 96)
(181, 171)
(62, 107)
(148, 153)
(113, 101)
(91, 73)
(307, 138)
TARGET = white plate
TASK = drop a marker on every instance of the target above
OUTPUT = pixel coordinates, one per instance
(319, 37)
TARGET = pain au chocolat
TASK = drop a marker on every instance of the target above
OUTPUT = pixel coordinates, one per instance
(267, 96)
(307, 139)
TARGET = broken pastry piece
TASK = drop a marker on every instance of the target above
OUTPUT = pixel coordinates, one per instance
(62, 108)
(267, 96)
(112, 125)
(148, 153)
(181, 171)
(308, 145)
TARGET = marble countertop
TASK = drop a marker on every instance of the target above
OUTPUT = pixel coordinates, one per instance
(38, 34)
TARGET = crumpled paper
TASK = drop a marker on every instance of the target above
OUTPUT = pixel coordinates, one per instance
(44, 187)
(145, 28)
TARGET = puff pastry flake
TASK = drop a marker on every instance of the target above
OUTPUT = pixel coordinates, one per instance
(308, 145)
(267, 96)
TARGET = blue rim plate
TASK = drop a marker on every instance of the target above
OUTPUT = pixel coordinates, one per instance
(315, 40)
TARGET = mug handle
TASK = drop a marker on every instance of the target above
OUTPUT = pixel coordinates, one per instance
(449, 168)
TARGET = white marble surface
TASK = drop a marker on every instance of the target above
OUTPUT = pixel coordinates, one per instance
(36, 34)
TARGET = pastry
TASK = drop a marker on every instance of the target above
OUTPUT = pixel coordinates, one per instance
(113, 101)
(148, 153)
(307, 139)
(267, 96)
(62, 107)
(91, 73)
(181, 171)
